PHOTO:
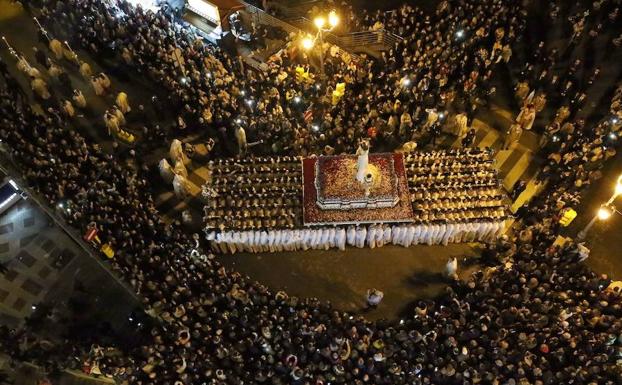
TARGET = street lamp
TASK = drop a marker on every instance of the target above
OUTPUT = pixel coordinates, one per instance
(307, 43)
(604, 212)
(319, 22)
(323, 24)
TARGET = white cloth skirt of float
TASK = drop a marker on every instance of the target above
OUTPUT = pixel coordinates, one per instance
(323, 238)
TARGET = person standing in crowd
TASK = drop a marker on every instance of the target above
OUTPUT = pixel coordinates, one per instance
(513, 136)
(240, 136)
(374, 297)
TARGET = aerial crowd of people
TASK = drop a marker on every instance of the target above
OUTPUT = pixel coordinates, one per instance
(533, 315)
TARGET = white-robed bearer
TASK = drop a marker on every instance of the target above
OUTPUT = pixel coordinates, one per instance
(78, 99)
(122, 102)
(410, 235)
(250, 241)
(271, 240)
(240, 137)
(306, 238)
(264, 241)
(461, 125)
(22, 64)
(451, 268)
(387, 234)
(98, 88)
(180, 186)
(371, 236)
(282, 240)
(29, 70)
(119, 114)
(285, 240)
(361, 236)
(417, 235)
(256, 241)
(351, 235)
(40, 88)
(395, 235)
(70, 55)
(57, 48)
(105, 80)
(176, 152)
(180, 169)
(332, 235)
(380, 236)
(85, 70)
(341, 238)
(244, 241)
(54, 71)
(166, 171)
(112, 123)
(403, 235)
(68, 109)
(325, 239)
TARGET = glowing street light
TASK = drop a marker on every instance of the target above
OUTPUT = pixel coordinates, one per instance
(319, 22)
(322, 25)
(333, 19)
(308, 43)
(605, 211)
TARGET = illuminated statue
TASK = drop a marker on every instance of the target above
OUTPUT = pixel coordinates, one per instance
(362, 164)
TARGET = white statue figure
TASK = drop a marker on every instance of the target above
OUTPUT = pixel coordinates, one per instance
(362, 164)
(166, 171)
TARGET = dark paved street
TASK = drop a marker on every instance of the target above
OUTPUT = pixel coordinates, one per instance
(403, 274)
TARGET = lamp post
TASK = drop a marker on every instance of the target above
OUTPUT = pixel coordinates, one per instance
(323, 24)
(604, 212)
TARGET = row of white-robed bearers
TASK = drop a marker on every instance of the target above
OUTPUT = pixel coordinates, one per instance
(324, 238)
